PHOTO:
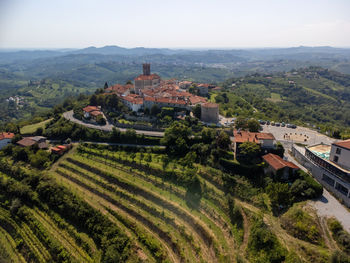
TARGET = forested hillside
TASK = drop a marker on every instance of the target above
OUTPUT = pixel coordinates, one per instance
(313, 95)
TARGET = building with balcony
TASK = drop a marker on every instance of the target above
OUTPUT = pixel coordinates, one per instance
(329, 164)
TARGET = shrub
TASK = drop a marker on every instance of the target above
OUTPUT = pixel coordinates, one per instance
(263, 245)
(301, 225)
(339, 234)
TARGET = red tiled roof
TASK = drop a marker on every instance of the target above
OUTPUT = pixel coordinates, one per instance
(277, 163)
(6, 135)
(344, 144)
(244, 136)
(95, 113)
(147, 77)
(91, 108)
(196, 99)
(265, 136)
(25, 142)
(120, 89)
(133, 98)
(61, 147)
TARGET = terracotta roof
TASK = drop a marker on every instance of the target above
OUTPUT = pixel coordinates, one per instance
(344, 144)
(133, 98)
(91, 108)
(210, 105)
(265, 136)
(277, 163)
(95, 113)
(244, 136)
(6, 135)
(120, 89)
(27, 141)
(147, 77)
(61, 147)
(197, 99)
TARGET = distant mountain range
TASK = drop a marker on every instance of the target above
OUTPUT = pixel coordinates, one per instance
(301, 52)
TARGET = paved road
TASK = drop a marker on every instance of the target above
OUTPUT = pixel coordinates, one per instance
(108, 127)
(114, 144)
(327, 205)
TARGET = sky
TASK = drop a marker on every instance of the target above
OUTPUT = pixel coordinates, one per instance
(174, 24)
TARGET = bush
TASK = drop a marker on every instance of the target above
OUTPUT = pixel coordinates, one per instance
(340, 257)
(339, 234)
(305, 187)
(263, 245)
(301, 225)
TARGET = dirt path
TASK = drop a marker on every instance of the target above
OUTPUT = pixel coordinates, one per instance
(246, 233)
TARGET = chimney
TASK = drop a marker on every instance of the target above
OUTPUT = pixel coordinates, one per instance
(146, 69)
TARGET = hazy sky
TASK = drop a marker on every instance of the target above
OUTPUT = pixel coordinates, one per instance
(175, 23)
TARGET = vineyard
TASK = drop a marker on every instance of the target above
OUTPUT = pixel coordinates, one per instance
(148, 209)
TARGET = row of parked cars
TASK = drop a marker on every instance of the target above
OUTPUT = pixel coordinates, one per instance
(282, 124)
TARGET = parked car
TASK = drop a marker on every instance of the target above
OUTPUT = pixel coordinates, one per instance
(289, 125)
(272, 123)
(283, 124)
(267, 122)
(277, 124)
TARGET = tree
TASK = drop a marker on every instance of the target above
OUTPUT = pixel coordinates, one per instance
(39, 131)
(176, 138)
(100, 120)
(197, 111)
(105, 86)
(253, 125)
(241, 123)
(280, 195)
(154, 110)
(249, 151)
(93, 100)
(223, 140)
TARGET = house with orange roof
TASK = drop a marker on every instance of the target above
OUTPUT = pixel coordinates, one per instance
(92, 112)
(133, 101)
(265, 140)
(5, 138)
(277, 166)
(121, 90)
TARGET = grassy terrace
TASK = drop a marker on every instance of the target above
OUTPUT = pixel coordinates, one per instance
(29, 129)
(152, 208)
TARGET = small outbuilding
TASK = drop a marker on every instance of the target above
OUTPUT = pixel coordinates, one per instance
(277, 166)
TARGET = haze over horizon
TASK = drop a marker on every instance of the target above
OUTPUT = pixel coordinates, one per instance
(39, 24)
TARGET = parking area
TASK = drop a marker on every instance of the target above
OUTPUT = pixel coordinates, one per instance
(226, 121)
(298, 135)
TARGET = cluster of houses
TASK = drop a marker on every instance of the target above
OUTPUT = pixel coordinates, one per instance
(38, 141)
(149, 89)
(274, 163)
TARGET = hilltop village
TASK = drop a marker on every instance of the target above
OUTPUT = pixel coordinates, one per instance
(149, 90)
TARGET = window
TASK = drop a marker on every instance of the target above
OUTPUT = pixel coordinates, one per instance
(338, 151)
(335, 159)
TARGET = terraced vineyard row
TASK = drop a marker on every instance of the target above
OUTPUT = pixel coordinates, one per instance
(156, 206)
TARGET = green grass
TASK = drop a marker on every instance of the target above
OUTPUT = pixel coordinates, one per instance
(30, 129)
(275, 97)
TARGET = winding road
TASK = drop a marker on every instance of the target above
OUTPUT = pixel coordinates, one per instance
(108, 127)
